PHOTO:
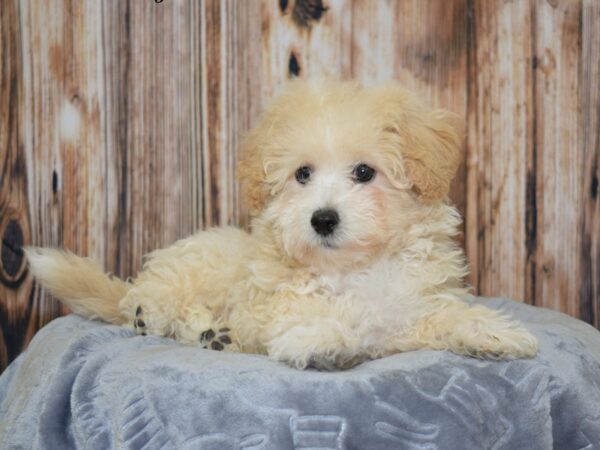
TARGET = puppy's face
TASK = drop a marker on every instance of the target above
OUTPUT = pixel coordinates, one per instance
(334, 203)
(338, 171)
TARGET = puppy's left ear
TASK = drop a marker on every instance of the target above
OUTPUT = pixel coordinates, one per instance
(435, 153)
(429, 143)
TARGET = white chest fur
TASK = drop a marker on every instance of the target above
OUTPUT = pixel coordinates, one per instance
(385, 294)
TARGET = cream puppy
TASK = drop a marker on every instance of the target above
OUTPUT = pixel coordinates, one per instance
(351, 254)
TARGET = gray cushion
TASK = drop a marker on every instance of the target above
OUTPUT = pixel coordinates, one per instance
(84, 384)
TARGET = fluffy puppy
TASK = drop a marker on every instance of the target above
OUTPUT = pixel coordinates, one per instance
(350, 255)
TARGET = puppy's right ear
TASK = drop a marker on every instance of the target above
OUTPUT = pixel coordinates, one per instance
(263, 159)
(251, 171)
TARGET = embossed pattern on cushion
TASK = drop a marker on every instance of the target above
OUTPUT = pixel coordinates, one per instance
(84, 384)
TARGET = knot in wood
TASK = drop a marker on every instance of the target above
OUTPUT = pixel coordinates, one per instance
(12, 258)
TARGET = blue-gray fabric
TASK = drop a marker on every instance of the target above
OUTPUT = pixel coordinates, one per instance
(84, 384)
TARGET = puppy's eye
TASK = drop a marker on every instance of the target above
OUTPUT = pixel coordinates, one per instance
(303, 174)
(363, 173)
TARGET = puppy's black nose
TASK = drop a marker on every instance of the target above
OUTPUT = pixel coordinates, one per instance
(324, 221)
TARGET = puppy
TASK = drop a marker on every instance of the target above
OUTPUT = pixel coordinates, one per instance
(351, 254)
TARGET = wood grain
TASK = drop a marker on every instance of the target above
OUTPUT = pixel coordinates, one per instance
(120, 123)
(243, 79)
(500, 147)
(589, 134)
(62, 97)
(154, 132)
(560, 157)
(15, 286)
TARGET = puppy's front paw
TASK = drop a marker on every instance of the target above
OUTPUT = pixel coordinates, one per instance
(511, 342)
(217, 340)
(323, 348)
(342, 361)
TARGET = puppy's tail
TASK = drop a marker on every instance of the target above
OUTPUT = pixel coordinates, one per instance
(79, 283)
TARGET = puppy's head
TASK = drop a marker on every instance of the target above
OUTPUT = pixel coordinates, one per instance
(338, 170)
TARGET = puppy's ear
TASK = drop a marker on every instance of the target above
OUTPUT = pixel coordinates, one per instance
(262, 153)
(428, 143)
(251, 171)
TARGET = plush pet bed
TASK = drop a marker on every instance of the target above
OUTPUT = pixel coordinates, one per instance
(84, 384)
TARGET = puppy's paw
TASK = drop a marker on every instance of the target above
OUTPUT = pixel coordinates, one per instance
(217, 340)
(511, 342)
(342, 361)
(139, 324)
(323, 348)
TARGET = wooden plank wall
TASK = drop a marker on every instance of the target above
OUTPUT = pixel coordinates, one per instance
(120, 121)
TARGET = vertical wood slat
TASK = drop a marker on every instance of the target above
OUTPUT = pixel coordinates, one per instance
(244, 79)
(63, 88)
(154, 129)
(15, 285)
(212, 108)
(228, 104)
(589, 92)
(560, 157)
(231, 80)
(500, 141)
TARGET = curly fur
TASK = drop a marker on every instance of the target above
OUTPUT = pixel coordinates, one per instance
(390, 279)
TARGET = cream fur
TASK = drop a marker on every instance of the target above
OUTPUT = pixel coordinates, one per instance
(389, 279)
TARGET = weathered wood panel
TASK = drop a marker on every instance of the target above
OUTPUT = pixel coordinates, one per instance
(154, 132)
(589, 91)
(243, 78)
(120, 122)
(501, 147)
(527, 170)
(15, 286)
(61, 132)
(559, 156)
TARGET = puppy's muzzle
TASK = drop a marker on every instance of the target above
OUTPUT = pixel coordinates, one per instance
(325, 221)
